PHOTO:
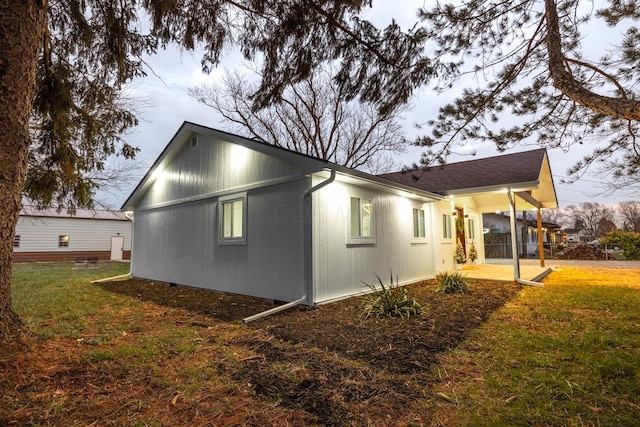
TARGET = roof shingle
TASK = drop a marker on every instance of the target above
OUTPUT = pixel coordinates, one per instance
(492, 171)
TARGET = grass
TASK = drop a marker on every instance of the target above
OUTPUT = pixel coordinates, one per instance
(54, 300)
(101, 358)
(568, 354)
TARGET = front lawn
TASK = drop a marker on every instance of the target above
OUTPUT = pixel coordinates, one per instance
(143, 353)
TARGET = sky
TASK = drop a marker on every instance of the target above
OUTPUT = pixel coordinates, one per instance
(168, 105)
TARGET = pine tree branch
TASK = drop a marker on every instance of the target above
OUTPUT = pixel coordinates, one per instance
(562, 80)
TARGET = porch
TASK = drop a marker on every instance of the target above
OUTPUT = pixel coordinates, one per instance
(502, 270)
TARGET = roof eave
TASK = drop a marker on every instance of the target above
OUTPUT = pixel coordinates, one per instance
(519, 186)
(385, 183)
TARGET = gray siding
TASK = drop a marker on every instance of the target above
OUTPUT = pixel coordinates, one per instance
(177, 241)
(340, 267)
(213, 166)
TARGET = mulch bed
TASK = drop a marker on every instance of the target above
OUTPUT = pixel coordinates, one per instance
(333, 363)
(324, 366)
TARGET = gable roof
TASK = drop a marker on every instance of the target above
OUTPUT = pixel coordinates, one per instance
(308, 164)
(527, 171)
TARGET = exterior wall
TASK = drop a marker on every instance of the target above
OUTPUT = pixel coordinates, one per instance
(64, 256)
(341, 267)
(87, 237)
(445, 247)
(213, 166)
(178, 242)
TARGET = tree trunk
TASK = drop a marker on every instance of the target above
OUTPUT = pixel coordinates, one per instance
(22, 24)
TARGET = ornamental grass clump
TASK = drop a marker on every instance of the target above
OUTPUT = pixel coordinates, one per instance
(389, 301)
(452, 283)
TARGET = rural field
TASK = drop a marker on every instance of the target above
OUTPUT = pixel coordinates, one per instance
(138, 353)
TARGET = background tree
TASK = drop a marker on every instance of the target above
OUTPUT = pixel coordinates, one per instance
(594, 219)
(554, 216)
(539, 80)
(311, 117)
(630, 212)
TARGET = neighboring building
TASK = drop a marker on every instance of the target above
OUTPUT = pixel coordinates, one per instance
(574, 236)
(226, 213)
(48, 235)
(497, 237)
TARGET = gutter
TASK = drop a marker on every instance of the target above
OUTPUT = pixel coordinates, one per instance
(514, 245)
(128, 275)
(308, 254)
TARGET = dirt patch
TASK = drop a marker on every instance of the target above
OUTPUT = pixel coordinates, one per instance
(327, 366)
(398, 346)
(331, 363)
(225, 307)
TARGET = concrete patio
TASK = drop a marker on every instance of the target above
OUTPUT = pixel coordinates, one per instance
(502, 269)
(504, 272)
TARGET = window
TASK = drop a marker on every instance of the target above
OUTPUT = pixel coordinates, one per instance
(233, 219)
(63, 241)
(418, 223)
(16, 241)
(361, 218)
(446, 226)
(471, 229)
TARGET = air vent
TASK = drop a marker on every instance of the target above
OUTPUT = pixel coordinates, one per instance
(194, 141)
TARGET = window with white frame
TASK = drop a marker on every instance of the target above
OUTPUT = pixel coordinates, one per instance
(16, 241)
(361, 219)
(418, 223)
(471, 229)
(446, 226)
(63, 241)
(233, 219)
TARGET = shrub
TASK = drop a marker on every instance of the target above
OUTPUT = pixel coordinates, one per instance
(452, 283)
(629, 241)
(389, 301)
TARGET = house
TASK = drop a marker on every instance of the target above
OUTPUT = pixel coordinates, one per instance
(231, 214)
(48, 235)
(574, 236)
(497, 239)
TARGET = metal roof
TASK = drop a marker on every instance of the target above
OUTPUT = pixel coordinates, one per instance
(32, 211)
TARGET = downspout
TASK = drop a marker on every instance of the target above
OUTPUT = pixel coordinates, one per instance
(129, 275)
(308, 253)
(514, 244)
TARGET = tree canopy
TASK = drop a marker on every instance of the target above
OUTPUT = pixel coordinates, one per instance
(542, 86)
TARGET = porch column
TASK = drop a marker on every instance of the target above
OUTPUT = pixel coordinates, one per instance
(514, 235)
(540, 242)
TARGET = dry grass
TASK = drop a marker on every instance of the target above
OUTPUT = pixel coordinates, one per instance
(144, 354)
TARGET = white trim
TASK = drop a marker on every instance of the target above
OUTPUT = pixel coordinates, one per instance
(226, 200)
(419, 239)
(358, 239)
